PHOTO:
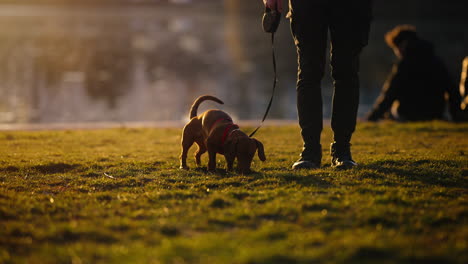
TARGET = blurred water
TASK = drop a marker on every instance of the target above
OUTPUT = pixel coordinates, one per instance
(148, 63)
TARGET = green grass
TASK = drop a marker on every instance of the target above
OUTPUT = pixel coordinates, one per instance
(405, 203)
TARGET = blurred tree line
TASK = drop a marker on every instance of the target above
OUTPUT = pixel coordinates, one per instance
(94, 2)
(200, 46)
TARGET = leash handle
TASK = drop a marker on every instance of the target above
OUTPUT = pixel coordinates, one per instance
(271, 20)
(275, 80)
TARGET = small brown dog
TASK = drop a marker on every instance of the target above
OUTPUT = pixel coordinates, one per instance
(214, 131)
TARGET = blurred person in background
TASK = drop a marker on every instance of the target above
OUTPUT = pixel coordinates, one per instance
(348, 23)
(419, 83)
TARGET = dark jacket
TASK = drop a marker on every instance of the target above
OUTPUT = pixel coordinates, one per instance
(419, 82)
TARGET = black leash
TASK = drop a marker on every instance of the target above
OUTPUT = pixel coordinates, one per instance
(275, 80)
(270, 22)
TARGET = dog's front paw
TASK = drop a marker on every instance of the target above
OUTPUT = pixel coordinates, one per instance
(183, 167)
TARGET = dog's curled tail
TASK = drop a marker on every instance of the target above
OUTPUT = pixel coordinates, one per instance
(196, 104)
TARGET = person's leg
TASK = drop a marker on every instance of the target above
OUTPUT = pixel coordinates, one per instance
(309, 27)
(349, 29)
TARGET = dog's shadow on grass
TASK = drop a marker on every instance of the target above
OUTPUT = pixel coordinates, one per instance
(286, 177)
(220, 172)
(444, 173)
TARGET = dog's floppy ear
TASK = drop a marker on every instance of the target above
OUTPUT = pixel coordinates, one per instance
(261, 151)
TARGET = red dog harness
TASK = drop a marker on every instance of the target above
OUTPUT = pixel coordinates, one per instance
(227, 129)
(226, 132)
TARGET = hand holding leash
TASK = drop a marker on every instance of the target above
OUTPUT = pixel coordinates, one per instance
(272, 15)
(270, 22)
(276, 5)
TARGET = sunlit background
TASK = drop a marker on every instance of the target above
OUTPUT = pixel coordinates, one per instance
(147, 60)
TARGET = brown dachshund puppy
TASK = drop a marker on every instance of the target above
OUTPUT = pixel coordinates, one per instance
(214, 131)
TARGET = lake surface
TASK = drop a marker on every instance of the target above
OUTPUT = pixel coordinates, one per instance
(148, 63)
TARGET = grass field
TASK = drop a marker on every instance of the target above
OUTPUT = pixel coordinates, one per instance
(117, 196)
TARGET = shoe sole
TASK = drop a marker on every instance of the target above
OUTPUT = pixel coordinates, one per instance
(305, 166)
(344, 166)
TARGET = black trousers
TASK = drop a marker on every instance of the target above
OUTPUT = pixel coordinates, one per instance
(348, 23)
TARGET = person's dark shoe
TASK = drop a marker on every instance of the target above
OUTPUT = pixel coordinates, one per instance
(341, 156)
(311, 157)
(305, 164)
